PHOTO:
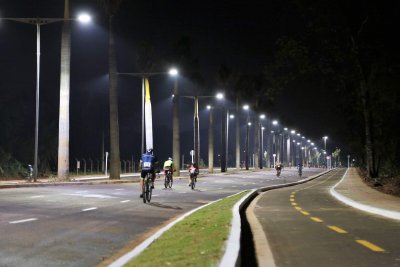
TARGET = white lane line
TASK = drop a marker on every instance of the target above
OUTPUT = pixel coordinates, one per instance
(120, 189)
(124, 201)
(39, 196)
(154, 195)
(80, 192)
(22, 221)
(182, 192)
(93, 208)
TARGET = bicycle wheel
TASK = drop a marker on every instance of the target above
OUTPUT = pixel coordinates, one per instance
(193, 183)
(166, 182)
(170, 181)
(148, 188)
(144, 191)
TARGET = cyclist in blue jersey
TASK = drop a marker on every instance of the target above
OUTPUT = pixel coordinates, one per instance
(148, 164)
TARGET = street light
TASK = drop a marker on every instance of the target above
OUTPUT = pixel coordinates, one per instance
(325, 137)
(246, 157)
(39, 22)
(260, 157)
(144, 76)
(196, 123)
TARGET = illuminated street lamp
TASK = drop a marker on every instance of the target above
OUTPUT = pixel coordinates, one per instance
(325, 137)
(143, 75)
(196, 123)
(38, 22)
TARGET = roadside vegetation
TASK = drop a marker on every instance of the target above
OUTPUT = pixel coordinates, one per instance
(198, 240)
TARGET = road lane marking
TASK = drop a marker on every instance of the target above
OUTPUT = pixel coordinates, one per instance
(39, 196)
(80, 192)
(369, 245)
(88, 209)
(23, 221)
(316, 219)
(155, 195)
(337, 229)
(89, 195)
(119, 189)
(304, 212)
(297, 208)
(124, 201)
(294, 204)
(292, 199)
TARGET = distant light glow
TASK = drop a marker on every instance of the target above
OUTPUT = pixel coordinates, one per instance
(220, 96)
(298, 134)
(173, 72)
(285, 129)
(246, 107)
(275, 122)
(232, 116)
(249, 123)
(292, 131)
(262, 116)
(208, 107)
(84, 18)
(263, 128)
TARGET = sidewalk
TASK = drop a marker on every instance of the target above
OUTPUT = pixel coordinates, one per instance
(354, 192)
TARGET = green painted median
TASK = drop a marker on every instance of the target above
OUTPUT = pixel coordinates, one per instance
(198, 240)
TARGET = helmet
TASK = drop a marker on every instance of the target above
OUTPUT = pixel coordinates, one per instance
(150, 151)
(169, 158)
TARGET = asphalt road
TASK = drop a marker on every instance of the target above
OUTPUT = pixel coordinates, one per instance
(86, 224)
(306, 226)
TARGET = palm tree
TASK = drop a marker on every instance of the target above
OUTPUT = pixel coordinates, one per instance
(63, 128)
(111, 7)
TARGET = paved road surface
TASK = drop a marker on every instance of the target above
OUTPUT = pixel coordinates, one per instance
(83, 225)
(306, 226)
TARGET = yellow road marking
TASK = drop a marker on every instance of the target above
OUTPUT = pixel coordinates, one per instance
(292, 199)
(369, 245)
(305, 212)
(294, 203)
(316, 219)
(337, 229)
(297, 208)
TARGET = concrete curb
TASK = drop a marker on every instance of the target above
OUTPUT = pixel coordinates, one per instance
(348, 201)
(255, 224)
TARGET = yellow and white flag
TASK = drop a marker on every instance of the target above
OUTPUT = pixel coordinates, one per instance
(148, 116)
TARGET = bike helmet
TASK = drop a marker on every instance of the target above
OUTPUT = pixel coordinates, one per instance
(169, 158)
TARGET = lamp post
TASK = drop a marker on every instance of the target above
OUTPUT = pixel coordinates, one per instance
(274, 156)
(144, 76)
(246, 151)
(38, 22)
(348, 161)
(210, 141)
(196, 123)
(260, 158)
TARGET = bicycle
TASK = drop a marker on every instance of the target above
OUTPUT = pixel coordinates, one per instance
(300, 172)
(193, 180)
(168, 179)
(146, 189)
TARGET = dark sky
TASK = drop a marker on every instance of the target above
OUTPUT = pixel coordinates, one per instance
(238, 34)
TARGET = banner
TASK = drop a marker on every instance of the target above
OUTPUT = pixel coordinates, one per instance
(148, 117)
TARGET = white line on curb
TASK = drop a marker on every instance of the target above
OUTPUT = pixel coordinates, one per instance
(386, 213)
(22, 221)
(39, 196)
(88, 209)
(124, 201)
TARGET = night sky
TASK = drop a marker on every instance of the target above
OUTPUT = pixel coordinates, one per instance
(240, 35)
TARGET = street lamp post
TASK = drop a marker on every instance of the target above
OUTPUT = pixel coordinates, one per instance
(144, 76)
(196, 123)
(261, 129)
(248, 123)
(38, 22)
(210, 142)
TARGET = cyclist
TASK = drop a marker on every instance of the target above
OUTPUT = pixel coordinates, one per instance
(193, 172)
(30, 172)
(278, 168)
(300, 168)
(148, 164)
(169, 165)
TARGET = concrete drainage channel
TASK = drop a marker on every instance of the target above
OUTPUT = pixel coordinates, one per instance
(247, 255)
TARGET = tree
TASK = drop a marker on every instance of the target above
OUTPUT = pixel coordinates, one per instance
(111, 7)
(63, 128)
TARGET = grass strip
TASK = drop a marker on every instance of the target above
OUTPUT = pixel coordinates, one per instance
(198, 240)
